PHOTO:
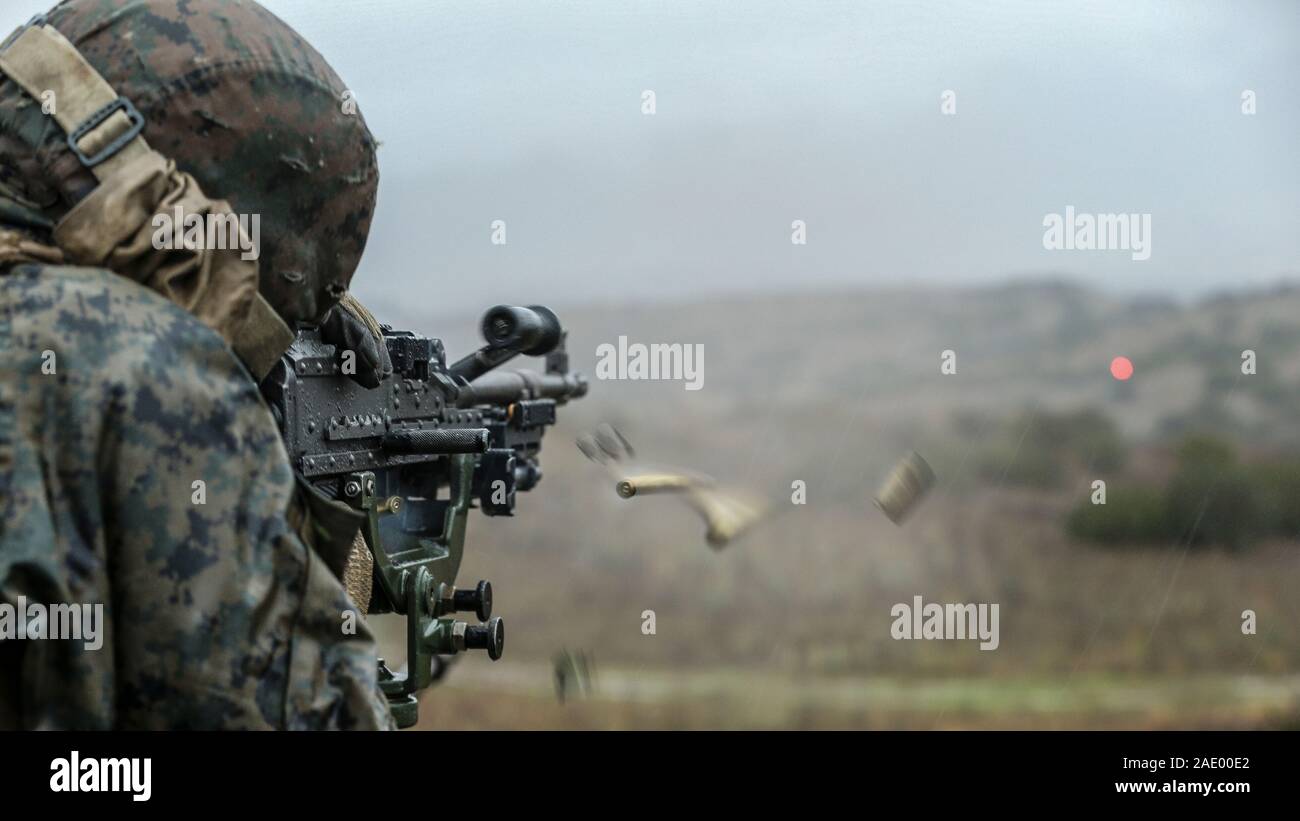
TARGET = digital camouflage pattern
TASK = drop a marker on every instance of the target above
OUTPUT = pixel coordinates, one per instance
(239, 100)
(217, 614)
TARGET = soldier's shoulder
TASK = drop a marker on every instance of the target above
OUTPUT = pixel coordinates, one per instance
(108, 322)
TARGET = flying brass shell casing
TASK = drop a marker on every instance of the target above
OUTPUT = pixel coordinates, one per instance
(653, 483)
(904, 488)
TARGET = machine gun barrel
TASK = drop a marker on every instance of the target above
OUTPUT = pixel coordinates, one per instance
(512, 386)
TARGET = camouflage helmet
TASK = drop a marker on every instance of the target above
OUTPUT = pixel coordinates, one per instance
(240, 101)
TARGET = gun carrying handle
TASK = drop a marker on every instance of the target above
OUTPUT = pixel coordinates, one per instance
(437, 441)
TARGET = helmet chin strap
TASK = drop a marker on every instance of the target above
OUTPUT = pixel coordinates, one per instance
(114, 226)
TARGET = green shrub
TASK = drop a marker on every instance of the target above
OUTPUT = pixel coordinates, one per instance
(1213, 507)
(1212, 499)
(1278, 497)
(1132, 514)
(1199, 452)
(1043, 448)
(1093, 440)
(1025, 466)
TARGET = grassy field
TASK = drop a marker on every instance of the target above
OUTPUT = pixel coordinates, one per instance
(520, 696)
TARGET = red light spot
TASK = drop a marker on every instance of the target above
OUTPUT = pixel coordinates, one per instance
(1121, 368)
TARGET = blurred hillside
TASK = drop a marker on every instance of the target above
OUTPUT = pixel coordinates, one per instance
(832, 389)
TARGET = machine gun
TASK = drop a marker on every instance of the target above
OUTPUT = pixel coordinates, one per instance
(414, 455)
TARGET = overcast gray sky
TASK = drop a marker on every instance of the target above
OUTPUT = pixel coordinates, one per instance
(830, 113)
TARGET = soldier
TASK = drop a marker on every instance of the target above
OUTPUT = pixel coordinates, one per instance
(139, 467)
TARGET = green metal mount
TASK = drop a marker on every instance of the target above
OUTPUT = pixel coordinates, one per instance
(416, 577)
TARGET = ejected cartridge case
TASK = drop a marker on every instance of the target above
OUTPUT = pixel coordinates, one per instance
(654, 483)
(906, 485)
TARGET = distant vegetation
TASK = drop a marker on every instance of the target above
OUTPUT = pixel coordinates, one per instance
(1210, 496)
(1040, 449)
(1213, 498)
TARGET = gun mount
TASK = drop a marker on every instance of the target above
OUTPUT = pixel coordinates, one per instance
(415, 455)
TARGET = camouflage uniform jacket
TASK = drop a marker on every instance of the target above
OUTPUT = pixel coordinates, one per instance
(216, 615)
